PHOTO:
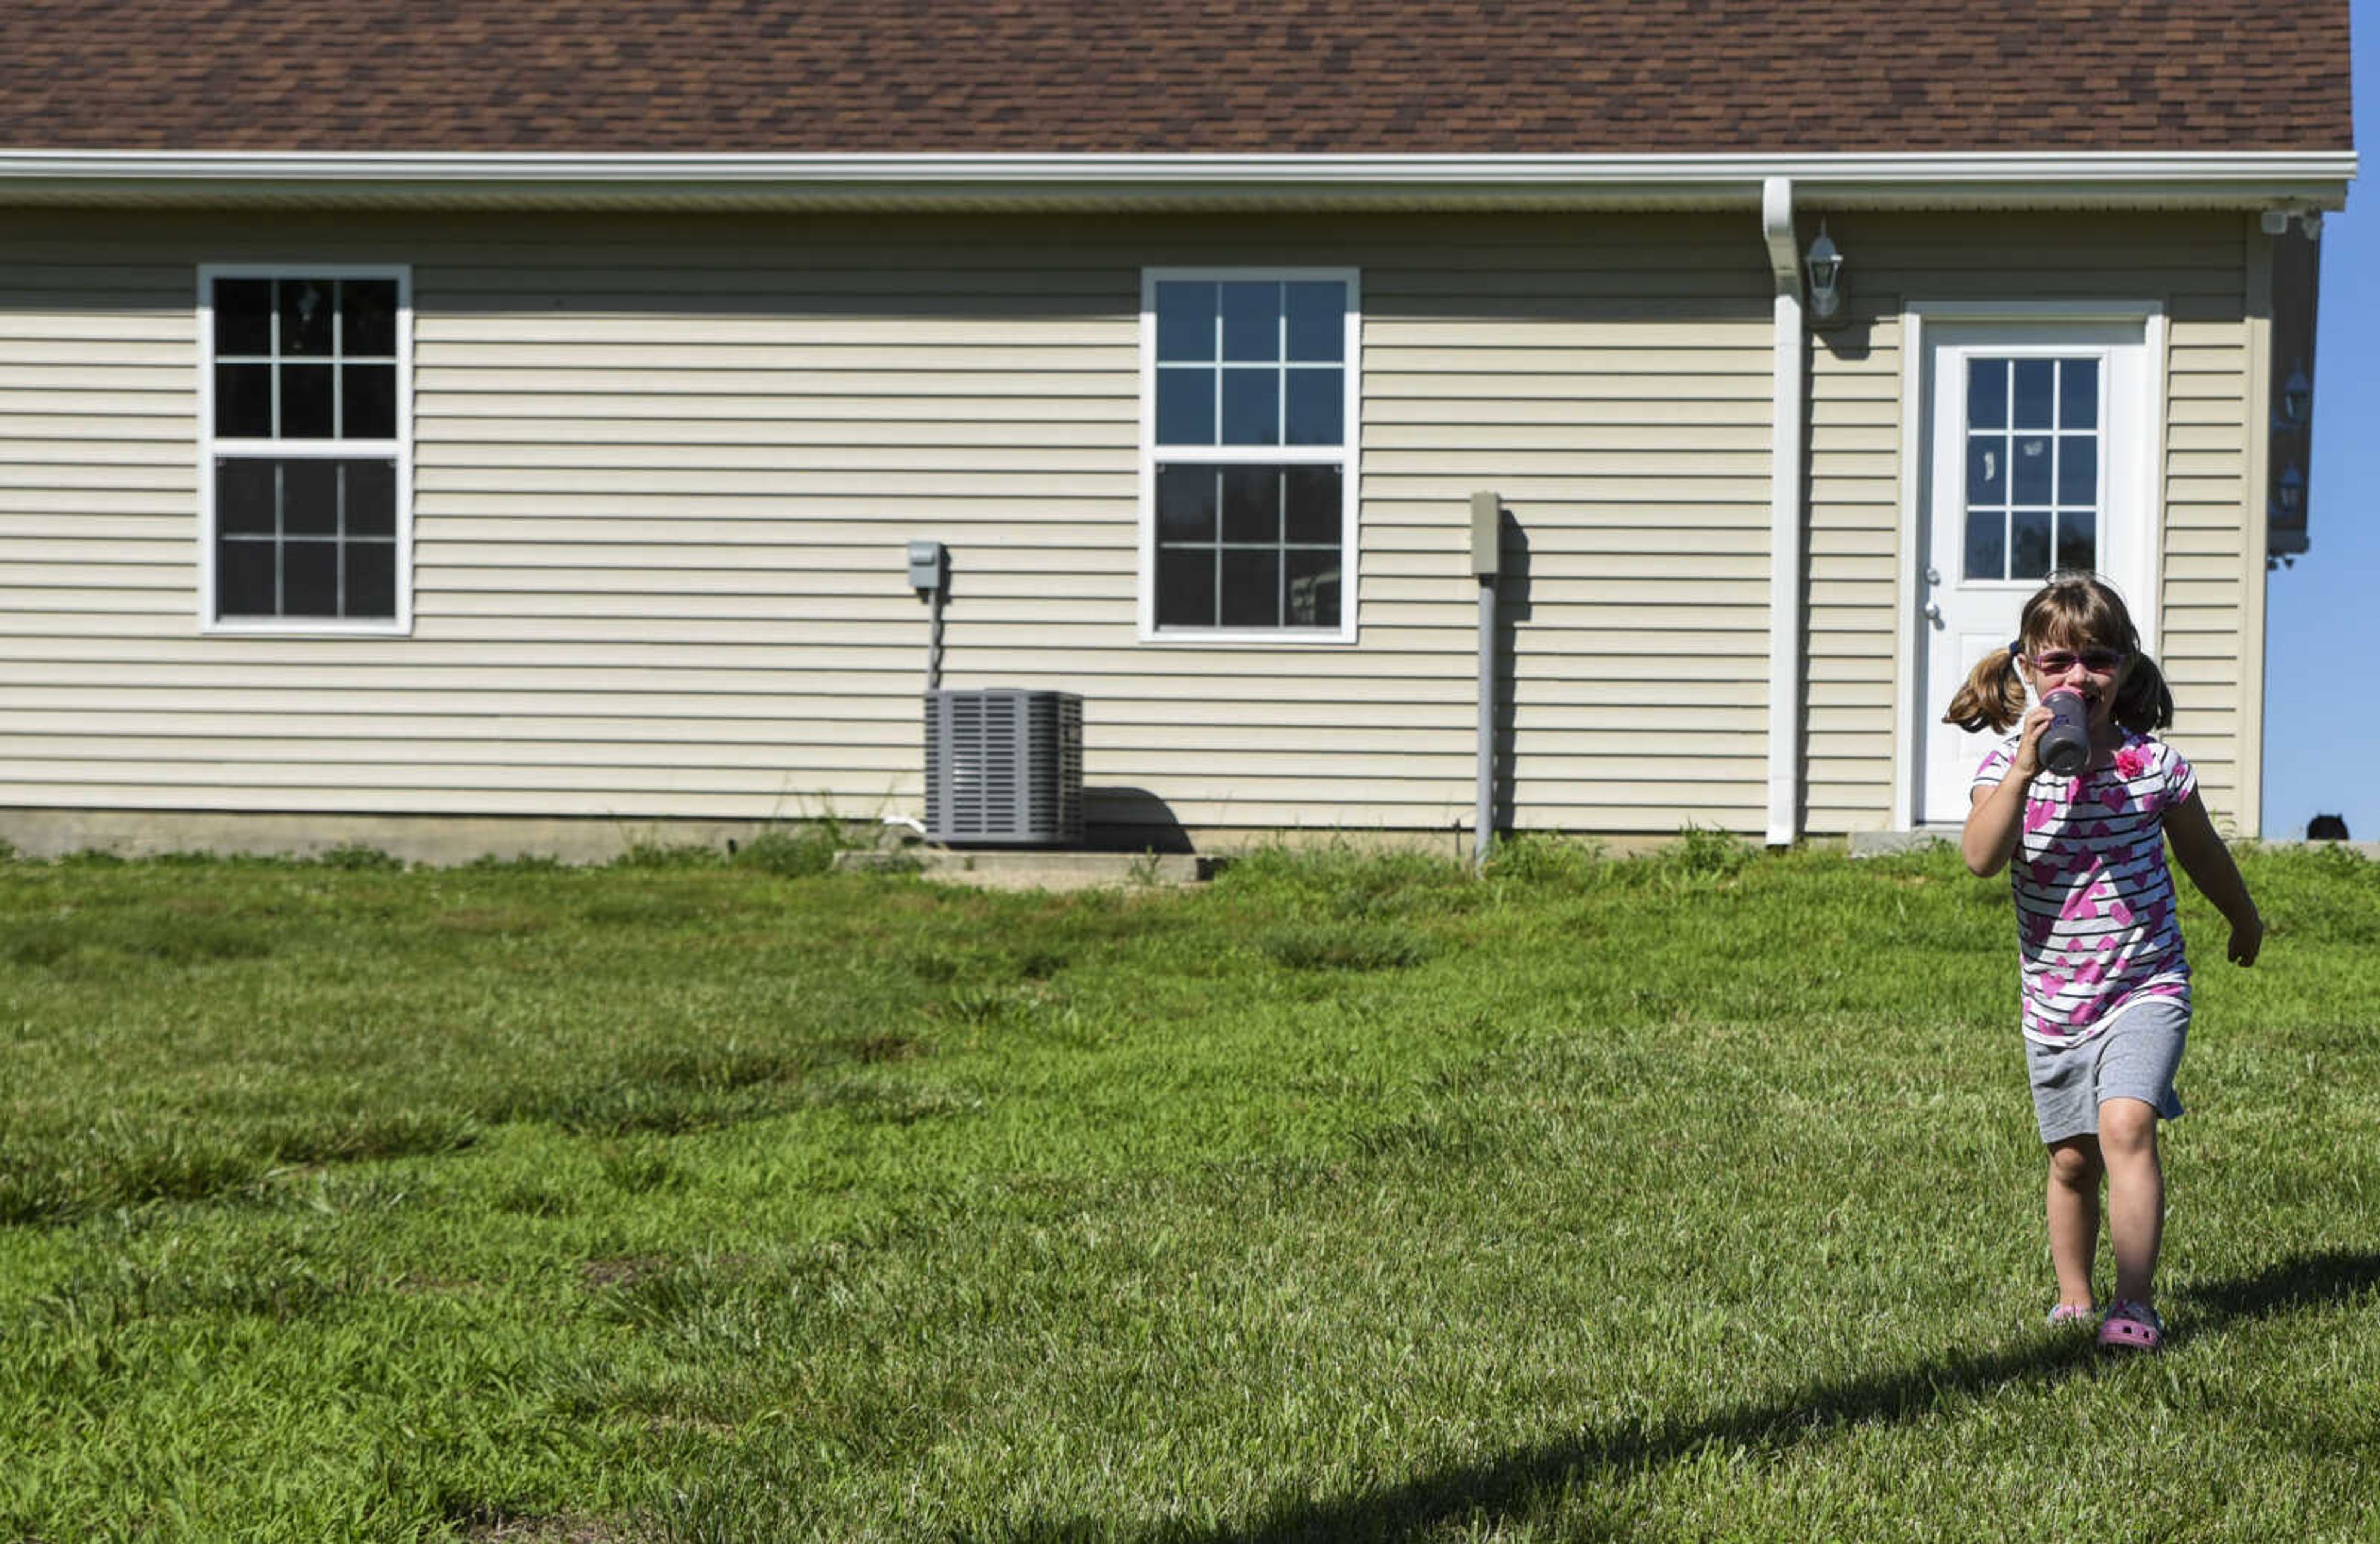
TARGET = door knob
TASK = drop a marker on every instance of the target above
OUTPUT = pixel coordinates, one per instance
(1933, 576)
(1933, 612)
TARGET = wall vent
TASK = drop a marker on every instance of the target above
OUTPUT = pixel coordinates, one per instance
(1003, 765)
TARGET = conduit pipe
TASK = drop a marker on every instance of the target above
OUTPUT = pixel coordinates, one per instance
(1486, 564)
(1789, 454)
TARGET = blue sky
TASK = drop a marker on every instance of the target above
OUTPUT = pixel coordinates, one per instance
(2322, 662)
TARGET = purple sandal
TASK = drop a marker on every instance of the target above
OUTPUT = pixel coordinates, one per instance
(2131, 1326)
(2068, 1313)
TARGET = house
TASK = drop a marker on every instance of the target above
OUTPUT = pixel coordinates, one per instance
(505, 424)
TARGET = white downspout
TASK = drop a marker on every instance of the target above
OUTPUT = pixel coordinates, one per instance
(1789, 454)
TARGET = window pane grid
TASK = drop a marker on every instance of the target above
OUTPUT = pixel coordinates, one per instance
(2032, 494)
(1289, 393)
(248, 555)
(281, 357)
(1282, 581)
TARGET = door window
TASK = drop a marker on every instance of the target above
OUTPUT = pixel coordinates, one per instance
(2032, 494)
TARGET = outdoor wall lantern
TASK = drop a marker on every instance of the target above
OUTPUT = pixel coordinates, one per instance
(2297, 399)
(2277, 221)
(1825, 277)
(2289, 493)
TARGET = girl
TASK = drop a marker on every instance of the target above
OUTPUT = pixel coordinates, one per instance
(2106, 998)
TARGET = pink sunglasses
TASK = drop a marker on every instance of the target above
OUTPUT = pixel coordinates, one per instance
(2098, 662)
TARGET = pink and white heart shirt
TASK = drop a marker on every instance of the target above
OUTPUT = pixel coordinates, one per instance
(2094, 901)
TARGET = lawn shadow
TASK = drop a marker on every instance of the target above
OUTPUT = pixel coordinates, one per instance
(1502, 1490)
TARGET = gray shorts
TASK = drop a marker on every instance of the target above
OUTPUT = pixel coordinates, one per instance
(2134, 1057)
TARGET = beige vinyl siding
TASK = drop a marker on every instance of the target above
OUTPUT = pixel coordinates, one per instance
(97, 492)
(2207, 567)
(2193, 264)
(664, 472)
(1614, 391)
(1852, 569)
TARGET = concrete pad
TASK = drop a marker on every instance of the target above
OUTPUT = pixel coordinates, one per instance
(1883, 844)
(1012, 869)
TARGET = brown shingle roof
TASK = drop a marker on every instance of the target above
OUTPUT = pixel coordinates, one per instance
(1216, 76)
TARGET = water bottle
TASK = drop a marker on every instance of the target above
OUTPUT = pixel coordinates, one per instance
(2066, 745)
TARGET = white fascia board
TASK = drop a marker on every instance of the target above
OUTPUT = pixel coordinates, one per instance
(2105, 179)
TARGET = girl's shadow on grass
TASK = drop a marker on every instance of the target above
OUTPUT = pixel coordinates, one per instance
(1505, 1487)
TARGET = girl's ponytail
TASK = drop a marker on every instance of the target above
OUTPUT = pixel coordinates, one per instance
(1993, 695)
(2144, 703)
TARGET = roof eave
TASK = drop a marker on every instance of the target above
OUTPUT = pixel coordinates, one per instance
(2102, 180)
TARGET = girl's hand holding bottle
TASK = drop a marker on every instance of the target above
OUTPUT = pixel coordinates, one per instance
(2027, 765)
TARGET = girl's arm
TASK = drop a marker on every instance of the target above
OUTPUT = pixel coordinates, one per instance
(2208, 863)
(1996, 819)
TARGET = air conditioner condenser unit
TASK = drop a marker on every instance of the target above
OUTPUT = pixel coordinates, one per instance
(1004, 766)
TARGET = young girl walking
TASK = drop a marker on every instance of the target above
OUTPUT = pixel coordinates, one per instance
(2104, 1004)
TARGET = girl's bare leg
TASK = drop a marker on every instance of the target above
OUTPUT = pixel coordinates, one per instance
(2128, 1141)
(2074, 1169)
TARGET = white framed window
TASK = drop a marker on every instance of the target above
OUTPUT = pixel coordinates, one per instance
(305, 448)
(1250, 385)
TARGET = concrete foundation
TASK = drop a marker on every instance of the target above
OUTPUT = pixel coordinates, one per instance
(1879, 844)
(434, 839)
(451, 839)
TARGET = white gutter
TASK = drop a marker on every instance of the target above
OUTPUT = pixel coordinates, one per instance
(1789, 452)
(2105, 179)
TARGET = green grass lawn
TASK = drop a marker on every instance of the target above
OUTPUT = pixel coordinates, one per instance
(1347, 1197)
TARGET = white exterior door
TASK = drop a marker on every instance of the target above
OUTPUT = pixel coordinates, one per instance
(2038, 455)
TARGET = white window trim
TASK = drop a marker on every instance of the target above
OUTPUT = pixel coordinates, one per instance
(1916, 431)
(1345, 457)
(401, 448)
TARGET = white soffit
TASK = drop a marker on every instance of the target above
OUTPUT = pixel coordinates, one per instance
(2093, 181)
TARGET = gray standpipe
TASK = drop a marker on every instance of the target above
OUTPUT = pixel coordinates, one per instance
(1486, 553)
